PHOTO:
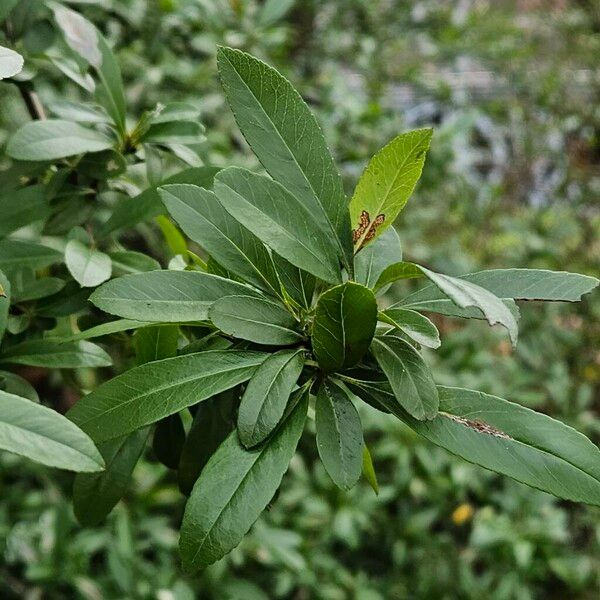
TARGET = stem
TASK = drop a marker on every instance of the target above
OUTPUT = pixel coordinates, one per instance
(32, 101)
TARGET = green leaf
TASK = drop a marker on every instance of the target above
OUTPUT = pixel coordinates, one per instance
(53, 138)
(515, 441)
(6, 7)
(155, 343)
(203, 218)
(279, 220)
(4, 303)
(287, 140)
(79, 112)
(344, 324)
(125, 262)
(255, 319)
(298, 284)
(397, 272)
(386, 184)
(416, 326)
(11, 63)
(88, 267)
(175, 132)
(213, 421)
(165, 296)
(17, 253)
(368, 470)
(45, 436)
(339, 434)
(11, 383)
(267, 394)
(107, 329)
(37, 289)
(168, 441)
(408, 375)
(147, 205)
(150, 392)
(104, 165)
(22, 207)
(174, 238)
(51, 353)
(519, 284)
(95, 495)
(373, 259)
(222, 509)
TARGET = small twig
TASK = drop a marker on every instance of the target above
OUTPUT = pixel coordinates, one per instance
(32, 101)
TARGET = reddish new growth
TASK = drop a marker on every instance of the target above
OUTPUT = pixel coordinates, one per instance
(364, 224)
(479, 426)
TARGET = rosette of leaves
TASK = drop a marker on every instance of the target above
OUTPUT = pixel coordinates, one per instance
(285, 315)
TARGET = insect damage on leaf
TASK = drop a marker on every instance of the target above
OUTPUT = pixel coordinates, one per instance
(365, 225)
(478, 426)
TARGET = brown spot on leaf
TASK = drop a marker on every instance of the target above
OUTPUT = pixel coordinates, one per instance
(479, 426)
(365, 225)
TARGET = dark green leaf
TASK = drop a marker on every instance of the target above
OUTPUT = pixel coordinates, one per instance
(203, 218)
(43, 435)
(175, 132)
(51, 353)
(222, 509)
(372, 260)
(298, 284)
(267, 394)
(269, 112)
(408, 375)
(344, 324)
(11, 383)
(150, 392)
(17, 253)
(255, 319)
(168, 441)
(414, 325)
(22, 207)
(155, 343)
(53, 138)
(37, 288)
(165, 296)
(280, 221)
(339, 434)
(126, 262)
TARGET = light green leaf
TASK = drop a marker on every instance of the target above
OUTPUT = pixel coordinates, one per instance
(386, 185)
(272, 11)
(267, 394)
(515, 441)
(279, 220)
(106, 329)
(339, 434)
(17, 253)
(373, 259)
(255, 319)
(88, 267)
(397, 272)
(79, 112)
(11, 63)
(203, 218)
(222, 509)
(287, 140)
(53, 138)
(174, 238)
(344, 324)
(150, 392)
(165, 296)
(95, 495)
(23, 207)
(147, 205)
(368, 470)
(45, 436)
(125, 262)
(51, 353)
(416, 326)
(409, 376)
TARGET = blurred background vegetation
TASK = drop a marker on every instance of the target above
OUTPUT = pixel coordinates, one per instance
(513, 179)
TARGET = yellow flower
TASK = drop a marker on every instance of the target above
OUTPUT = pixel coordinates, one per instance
(462, 514)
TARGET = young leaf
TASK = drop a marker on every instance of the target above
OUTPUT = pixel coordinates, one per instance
(408, 375)
(416, 326)
(372, 261)
(344, 324)
(267, 394)
(386, 185)
(52, 353)
(52, 139)
(43, 435)
(339, 434)
(22, 207)
(213, 421)
(222, 509)
(147, 205)
(397, 272)
(95, 495)
(88, 267)
(515, 441)
(368, 470)
(280, 221)
(17, 253)
(255, 319)
(165, 296)
(203, 218)
(287, 140)
(150, 392)
(11, 63)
